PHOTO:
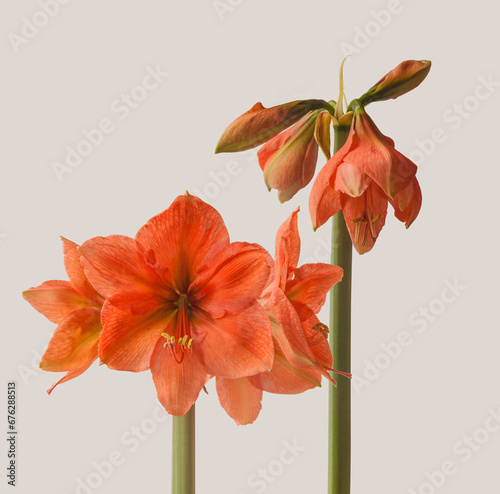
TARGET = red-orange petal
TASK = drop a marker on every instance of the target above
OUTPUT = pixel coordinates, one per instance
(125, 273)
(177, 384)
(290, 232)
(127, 341)
(311, 284)
(350, 180)
(187, 235)
(372, 207)
(287, 329)
(324, 201)
(374, 154)
(285, 378)
(407, 203)
(234, 282)
(235, 345)
(56, 299)
(76, 273)
(240, 399)
(73, 345)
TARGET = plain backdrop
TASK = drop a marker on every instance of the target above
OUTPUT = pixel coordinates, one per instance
(430, 405)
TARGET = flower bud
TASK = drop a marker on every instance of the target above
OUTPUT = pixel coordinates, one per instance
(260, 124)
(405, 77)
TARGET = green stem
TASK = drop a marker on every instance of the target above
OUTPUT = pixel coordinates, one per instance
(183, 457)
(339, 437)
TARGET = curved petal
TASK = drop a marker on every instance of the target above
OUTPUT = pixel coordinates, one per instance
(240, 399)
(311, 284)
(350, 180)
(407, 203)
(289, 230)
(67, 377)
(234, 282)
(76, 273)
(56, 299)
(185, 236)
(285, 378)
(365, 217)
(375, 155)
(287, 329)
(74, 343)
(233, 346)
(324, 201)
(177, 384)
(290, 161)
(127, 341)
(125, 273)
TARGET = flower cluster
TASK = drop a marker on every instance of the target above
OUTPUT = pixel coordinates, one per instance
(184, 302)
(362, 177)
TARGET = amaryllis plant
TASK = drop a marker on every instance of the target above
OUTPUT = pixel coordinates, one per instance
(363, 176)
(184, 302)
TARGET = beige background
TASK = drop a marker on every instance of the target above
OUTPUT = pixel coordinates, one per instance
(416, 408)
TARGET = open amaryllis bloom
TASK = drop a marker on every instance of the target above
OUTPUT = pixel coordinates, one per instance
(181, 300)
(76, 307)
(301, 351)
(361, 179)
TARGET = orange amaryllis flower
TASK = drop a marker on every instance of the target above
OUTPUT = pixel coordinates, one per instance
(181, 300)
(76, 307)
(259, 124)
(361, 178)
(289, 159)
(301, 350)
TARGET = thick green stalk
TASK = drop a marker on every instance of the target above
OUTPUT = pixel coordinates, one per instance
(183, 471)
(339, 436)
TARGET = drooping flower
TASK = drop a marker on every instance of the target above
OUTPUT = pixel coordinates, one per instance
(289, 159)
(181, 300)
(76, 307)
(361, 178)
(302, 354)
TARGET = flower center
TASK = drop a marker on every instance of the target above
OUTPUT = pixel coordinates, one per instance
(181, 341)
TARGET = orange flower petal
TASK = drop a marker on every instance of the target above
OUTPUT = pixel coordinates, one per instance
(324, 201)
(311, 284)
(73, 346)
(285, 378)
(127, 341)
(70, 375)
(185, 236)
(235, 282)
(365, 217)
(374, 154)
(350, 180)
(177, 384)
(287, 329)
(76, 273)
(125, 273)
(289, 160)
(289, 230)
(240, 399)
(407, 203)
(234, 346)
(56, 299)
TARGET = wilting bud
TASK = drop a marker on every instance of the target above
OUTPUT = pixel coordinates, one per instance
(260, 124)
(405, 77)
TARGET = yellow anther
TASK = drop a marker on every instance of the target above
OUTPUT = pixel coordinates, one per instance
(376, 218)
(166, 335)
(179, 341)
(190, 342)
(184, 340)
